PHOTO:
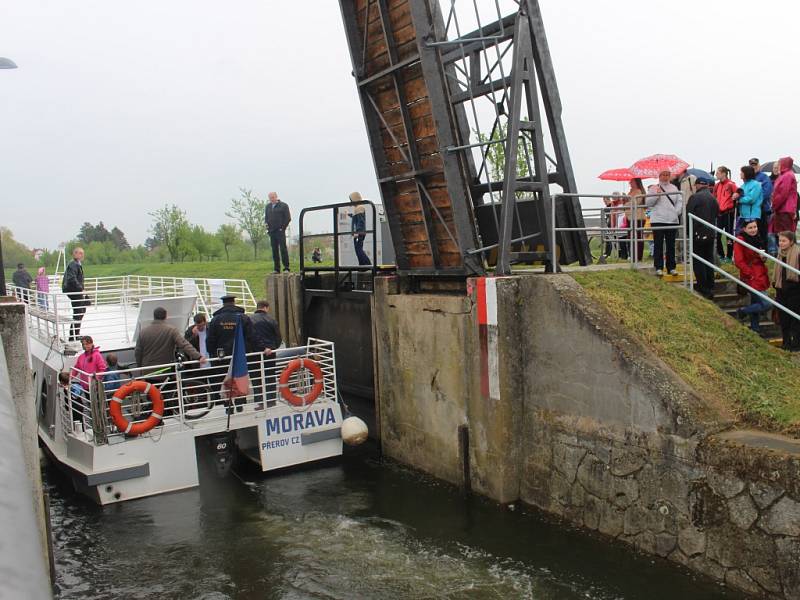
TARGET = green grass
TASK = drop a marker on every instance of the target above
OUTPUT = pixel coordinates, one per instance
(721, 358)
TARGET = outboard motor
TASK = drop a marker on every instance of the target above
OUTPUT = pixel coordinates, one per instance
(223, 452)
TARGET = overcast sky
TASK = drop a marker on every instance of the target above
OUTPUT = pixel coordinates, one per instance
(120, 107)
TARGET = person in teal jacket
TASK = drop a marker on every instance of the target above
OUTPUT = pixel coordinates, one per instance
(749, 198)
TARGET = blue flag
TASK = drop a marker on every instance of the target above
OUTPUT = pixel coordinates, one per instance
(237, 381)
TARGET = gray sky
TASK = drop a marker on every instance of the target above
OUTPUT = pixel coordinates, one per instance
(120, 107)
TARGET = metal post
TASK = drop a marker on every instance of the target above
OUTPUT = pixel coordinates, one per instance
(263, 384)
(2, 269)
(179, 393)
(336, 246)
(634, 229)
(690, 254)
(553, 246)
(682, 231)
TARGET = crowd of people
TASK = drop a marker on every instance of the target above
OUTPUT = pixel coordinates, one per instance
(759, 215)
(160, 343)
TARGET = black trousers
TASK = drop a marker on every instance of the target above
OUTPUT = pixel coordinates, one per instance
(279, 251)
(725, 221)
(358, 243)
(661, 237)
(704, 273)
(79, 304)
(790, 327)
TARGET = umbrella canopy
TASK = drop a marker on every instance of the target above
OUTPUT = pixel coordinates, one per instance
(767, 168)
(617, 175)
(651, 166)
(700, 173)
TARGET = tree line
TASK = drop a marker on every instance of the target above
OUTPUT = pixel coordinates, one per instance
(172, 238)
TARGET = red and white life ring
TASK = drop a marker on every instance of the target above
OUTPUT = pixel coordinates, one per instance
(291, 368)
(156, 413)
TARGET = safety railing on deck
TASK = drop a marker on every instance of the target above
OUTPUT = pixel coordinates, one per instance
(193, 394)
(695, 221)
(111, 303)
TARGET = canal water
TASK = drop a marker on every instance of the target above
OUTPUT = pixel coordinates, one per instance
(355, 528)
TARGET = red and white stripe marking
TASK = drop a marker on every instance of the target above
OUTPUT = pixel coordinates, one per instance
(486, 288)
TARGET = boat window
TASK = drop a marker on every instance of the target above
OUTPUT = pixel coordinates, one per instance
(43, 399)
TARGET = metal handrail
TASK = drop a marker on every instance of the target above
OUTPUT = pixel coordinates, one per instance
(736, 240)
(50, 313)
(336, 234)
(189, 387)
(634, 229)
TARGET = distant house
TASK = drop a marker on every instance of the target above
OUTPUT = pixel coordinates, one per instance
(37, 254)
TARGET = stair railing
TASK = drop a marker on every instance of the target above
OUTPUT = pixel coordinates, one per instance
(693, 221)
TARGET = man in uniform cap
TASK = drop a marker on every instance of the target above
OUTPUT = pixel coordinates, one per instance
(219, 340)
(703, 205)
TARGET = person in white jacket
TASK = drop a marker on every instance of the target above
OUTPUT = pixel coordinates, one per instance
(665, 211)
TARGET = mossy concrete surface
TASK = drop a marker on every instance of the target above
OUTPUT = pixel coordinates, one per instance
(725, 363)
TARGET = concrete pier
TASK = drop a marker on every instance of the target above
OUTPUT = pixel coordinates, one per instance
(24, 547)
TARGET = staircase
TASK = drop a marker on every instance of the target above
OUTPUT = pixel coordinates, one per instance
(728, 300)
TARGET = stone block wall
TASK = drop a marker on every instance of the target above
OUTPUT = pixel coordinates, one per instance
(663, 496)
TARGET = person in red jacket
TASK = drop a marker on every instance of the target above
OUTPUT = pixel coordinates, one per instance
(784, 203)
(724, 190)
(752, 272)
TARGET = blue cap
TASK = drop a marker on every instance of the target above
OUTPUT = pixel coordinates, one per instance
(705, 180)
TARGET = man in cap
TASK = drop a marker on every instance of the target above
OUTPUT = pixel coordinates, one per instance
(220, 337)
(219, 340)
(277, 217)
(703, 205)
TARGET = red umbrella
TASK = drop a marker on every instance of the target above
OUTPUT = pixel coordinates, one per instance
(617, 175)
(653, 165)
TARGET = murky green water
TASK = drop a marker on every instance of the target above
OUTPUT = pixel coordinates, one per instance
(357, 528)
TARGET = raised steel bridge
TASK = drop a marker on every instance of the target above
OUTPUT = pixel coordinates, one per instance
(463, 115)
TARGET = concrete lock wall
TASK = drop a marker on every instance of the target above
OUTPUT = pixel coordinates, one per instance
(567, 412)
(24, 547)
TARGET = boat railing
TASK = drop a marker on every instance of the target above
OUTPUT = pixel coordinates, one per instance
(194, 395)
(110, 300)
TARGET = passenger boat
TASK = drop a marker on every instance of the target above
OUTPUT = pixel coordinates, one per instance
(177, 415)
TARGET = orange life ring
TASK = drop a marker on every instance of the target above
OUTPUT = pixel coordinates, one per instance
(316, 389)
(156, 414)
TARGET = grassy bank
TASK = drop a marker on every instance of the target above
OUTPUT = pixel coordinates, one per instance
(722, 359)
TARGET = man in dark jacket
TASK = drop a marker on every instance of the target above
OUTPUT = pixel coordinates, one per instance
(219, 340)
(156, 345)
(266, 333)
(158, 341)
(223, 326)
(72, 286)
(197, 334)
(277, 217)
(266, 339)
(22, 279)
(703, 205)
